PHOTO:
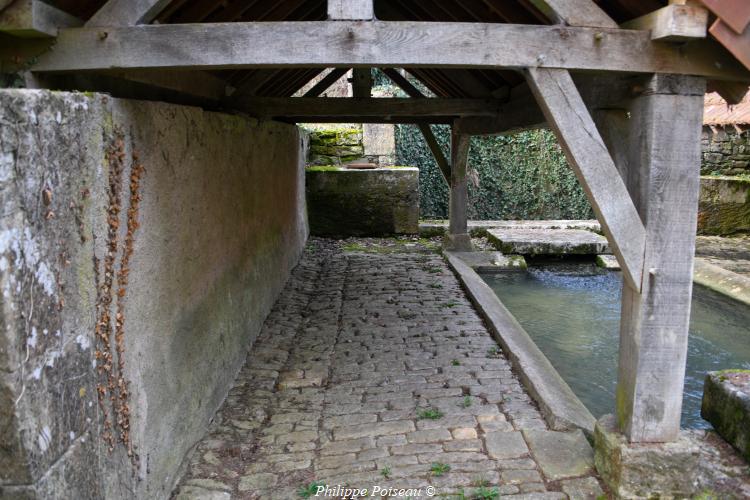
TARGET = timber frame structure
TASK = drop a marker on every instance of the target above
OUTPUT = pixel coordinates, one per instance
(620, 82)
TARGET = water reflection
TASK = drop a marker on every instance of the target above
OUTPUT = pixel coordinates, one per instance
(572, 311)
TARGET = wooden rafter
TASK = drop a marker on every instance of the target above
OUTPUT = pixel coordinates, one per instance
(587, 154)
(575, 13)
(326, 82)
(399, 44)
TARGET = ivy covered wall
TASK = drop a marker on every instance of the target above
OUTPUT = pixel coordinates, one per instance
(522, 176)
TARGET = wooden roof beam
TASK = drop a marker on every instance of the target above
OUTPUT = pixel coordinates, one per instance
(34, 19)
(127, 12)
(382, 44)
(279, 107)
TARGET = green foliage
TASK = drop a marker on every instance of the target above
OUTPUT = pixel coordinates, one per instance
(430, 414)
(485, 493)
(438, 469)
(386, 472)
(523, 176)
(310, 490)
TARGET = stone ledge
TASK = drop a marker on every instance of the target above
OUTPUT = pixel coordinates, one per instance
(560, 407)
(726, 404)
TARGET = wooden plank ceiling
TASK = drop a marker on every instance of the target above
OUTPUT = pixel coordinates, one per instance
(457, 83)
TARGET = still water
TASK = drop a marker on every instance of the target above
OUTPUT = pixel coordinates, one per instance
(572, 311)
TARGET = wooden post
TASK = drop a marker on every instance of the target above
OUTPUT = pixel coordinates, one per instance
(458, 238)
(361, 82)
(663, 169)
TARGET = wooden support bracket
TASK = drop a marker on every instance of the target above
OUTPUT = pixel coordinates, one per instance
(584, 148)
(429, 137)
(673, 23)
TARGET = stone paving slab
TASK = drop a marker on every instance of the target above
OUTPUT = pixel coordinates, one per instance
(548, 241)
(373, 370)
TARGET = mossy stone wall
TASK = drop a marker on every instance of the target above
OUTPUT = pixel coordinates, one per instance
(724, 206)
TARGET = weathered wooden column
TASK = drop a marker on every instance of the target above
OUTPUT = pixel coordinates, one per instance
(458, 238)
(663, 177)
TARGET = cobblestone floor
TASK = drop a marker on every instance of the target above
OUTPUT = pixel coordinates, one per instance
(373, 369)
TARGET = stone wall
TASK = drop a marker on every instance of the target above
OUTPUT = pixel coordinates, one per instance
(378, 202)
(725, 151)
(141, 247)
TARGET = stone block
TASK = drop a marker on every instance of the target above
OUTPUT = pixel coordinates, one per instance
(548, 241)
(502, 445)
(378, 202)
(560, 455)
(726, 404)
(650, 470)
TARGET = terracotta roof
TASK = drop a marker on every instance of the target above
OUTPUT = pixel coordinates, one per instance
(717, 112)
(732, 26)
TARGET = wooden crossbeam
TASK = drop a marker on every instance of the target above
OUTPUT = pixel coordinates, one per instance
(382, 44)
(587, 154)
(325, 83)
(127, 12)
(332, 107)
(429, 137)
(520, 113)
(34, 19)
(673, 23)
(575, 13)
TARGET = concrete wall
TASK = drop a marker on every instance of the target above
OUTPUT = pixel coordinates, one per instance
(219, 206)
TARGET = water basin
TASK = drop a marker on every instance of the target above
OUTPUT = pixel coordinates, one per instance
(572, 311)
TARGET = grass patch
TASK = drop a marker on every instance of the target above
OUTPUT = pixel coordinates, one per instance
(435, 285)
(494, 352)
(485, 493)
(438, 469)
(467, 401)
(448, 305)
(455, 362)
(430, 414)
(386, 472)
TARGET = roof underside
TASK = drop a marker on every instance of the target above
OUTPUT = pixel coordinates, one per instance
(442, 82)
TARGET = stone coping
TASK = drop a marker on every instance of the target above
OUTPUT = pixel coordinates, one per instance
(723, 281)
(560, 406)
